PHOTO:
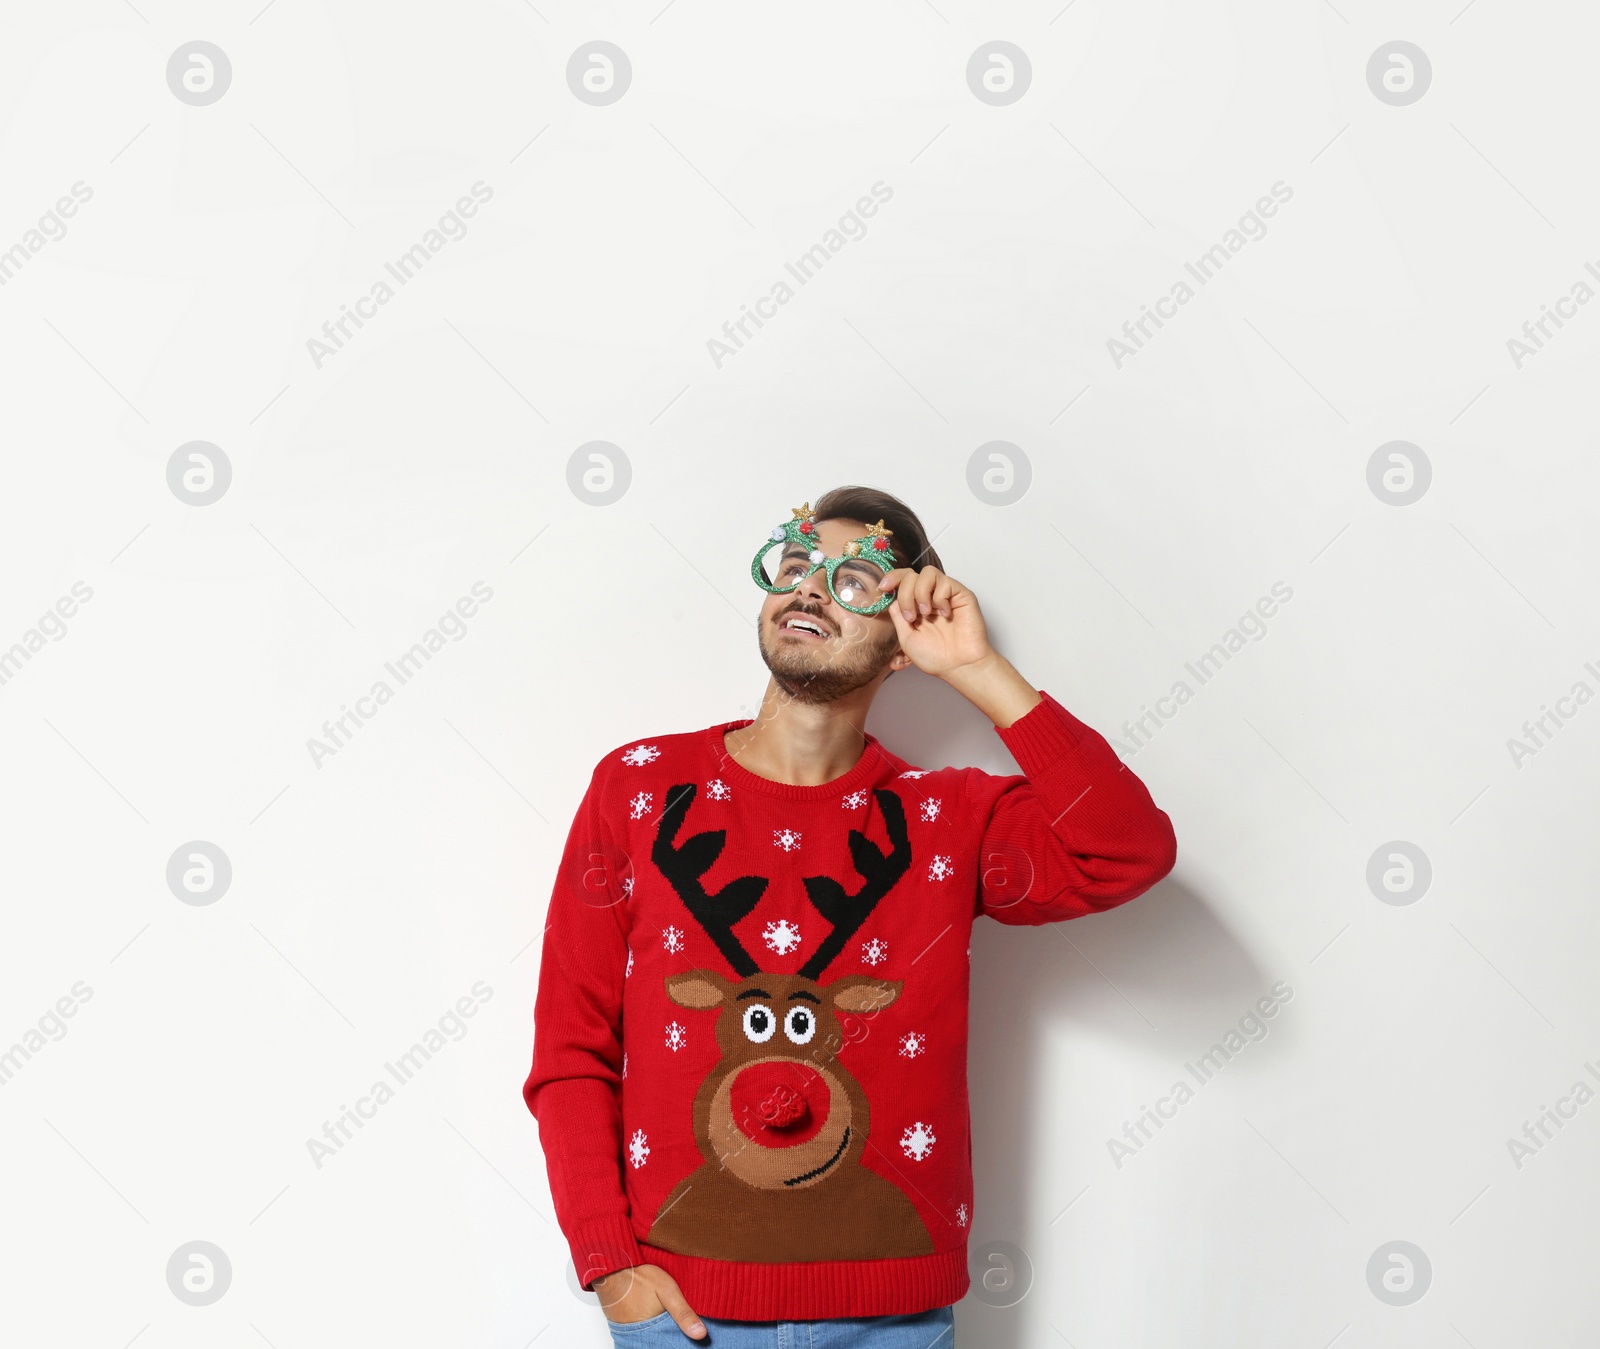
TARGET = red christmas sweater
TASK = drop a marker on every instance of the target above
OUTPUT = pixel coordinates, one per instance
(750, 1030)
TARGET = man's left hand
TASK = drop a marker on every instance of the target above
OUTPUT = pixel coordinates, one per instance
(938, 620)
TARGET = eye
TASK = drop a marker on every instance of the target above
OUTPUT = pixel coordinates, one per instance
(800, 1025)
(759, 1023)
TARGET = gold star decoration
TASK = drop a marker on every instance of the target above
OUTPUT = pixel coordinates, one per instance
(802, 512)
(878, 531)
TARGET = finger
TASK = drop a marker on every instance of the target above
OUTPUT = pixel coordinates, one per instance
(905, 600)
(672, 1299)
(909, 595)
(943, 593)
(682, 1313)
(927, 579)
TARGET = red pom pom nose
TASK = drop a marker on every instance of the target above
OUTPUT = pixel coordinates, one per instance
(783, 1106)
(779, 1104)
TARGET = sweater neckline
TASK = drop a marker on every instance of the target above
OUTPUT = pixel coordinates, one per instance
(736, 774)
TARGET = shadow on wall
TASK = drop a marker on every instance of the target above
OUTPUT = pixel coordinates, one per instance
(1160, 975)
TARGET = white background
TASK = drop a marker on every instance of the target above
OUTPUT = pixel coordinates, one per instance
(373, 888)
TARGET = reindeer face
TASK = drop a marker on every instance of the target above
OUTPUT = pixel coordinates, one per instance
(778, 1111)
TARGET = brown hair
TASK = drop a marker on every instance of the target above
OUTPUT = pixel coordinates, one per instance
(869, 505)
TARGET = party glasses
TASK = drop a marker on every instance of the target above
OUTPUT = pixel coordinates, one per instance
(853, 575)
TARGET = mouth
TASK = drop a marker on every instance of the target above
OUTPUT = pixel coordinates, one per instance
(802, 626)
(838, 1153)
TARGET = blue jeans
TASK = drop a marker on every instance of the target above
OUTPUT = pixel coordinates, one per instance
(934, 1329)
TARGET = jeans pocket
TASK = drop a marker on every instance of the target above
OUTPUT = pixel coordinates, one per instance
(649, 1323)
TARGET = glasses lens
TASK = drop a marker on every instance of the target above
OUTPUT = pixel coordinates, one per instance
(856, 583)
(784, 565)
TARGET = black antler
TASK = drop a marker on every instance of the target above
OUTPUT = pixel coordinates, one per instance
(685, 865)
(879, 869)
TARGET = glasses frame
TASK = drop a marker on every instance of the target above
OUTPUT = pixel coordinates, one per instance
(866, 548)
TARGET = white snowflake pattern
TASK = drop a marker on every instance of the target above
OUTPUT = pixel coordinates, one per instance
(677, 1036)
(782, 936)
(640, 755)
(628, 968)
(627, 885)
(718, 790)
(913, 1043)
(941, 868)
(916, 772)
(917, 1141)
(930, 808)
(638, 1148)
(854, 800)
(672, 939)
(961, 1215)
(874, 951)
(639, 805)
(787, 839)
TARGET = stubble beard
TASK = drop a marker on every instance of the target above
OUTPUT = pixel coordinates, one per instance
(827, 674)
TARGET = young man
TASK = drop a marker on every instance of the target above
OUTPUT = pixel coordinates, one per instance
(749, 1061)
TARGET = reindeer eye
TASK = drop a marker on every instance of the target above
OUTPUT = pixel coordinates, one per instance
(759, 1023)
(799, 1025)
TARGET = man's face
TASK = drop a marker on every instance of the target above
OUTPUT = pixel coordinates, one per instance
(853, 648)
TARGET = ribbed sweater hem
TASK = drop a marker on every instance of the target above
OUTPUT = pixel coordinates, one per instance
(1041, 741)
(813, 1289)
(602, 1246)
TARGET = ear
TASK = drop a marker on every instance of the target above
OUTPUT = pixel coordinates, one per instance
(863, 993)
(700, 989)
(898, 660)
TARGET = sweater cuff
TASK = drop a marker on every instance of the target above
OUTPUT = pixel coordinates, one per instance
(1039, 739)
(601, 1247)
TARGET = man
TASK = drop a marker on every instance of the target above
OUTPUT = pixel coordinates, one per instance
(749, 1064)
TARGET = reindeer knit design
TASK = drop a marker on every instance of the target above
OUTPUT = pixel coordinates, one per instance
(791, 1140)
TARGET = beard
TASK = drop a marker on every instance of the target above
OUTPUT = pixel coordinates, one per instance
(817, 672)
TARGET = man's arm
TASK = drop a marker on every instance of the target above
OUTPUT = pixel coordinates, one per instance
(1077, 833)
(574, 1088)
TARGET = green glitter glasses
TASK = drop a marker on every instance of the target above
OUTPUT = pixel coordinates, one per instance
(852, 576)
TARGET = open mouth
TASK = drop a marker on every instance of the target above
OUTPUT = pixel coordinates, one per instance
(802, 626)
(838, 1153)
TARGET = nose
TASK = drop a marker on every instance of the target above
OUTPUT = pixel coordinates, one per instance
(779, 1103)
(815, 587)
